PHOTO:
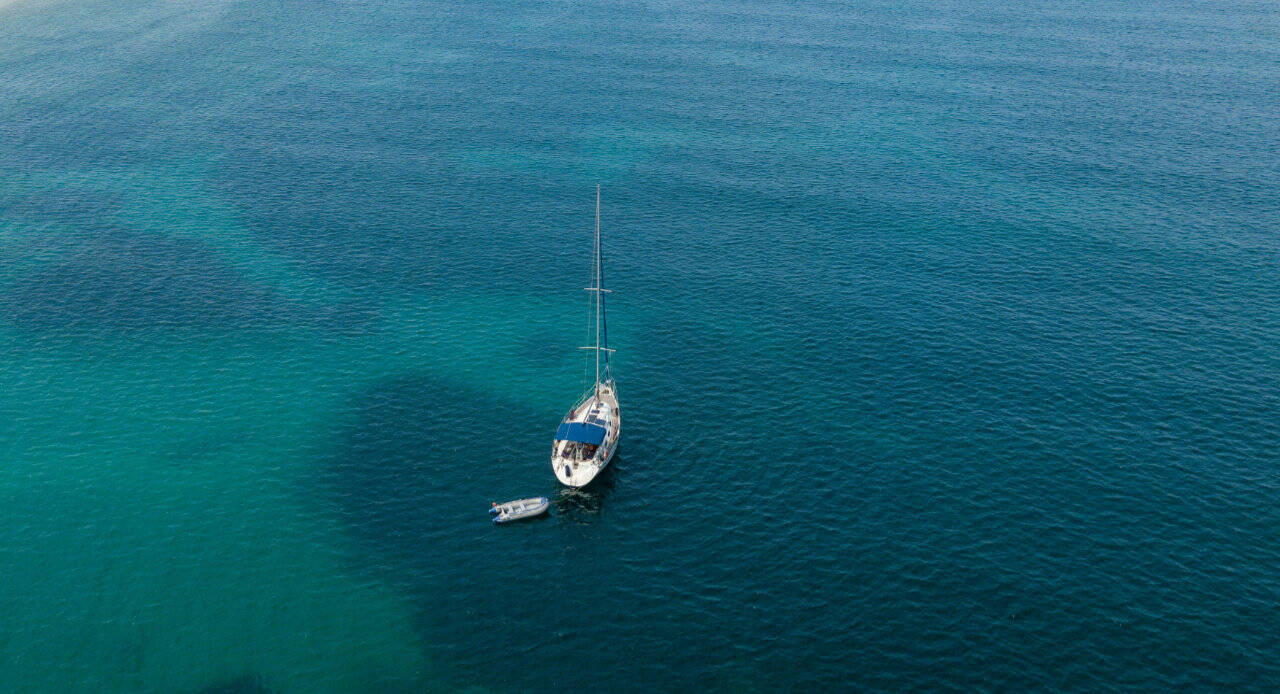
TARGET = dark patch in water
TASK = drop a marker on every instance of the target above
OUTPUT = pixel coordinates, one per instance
(248, 684)
(418, 461)
(70, 207)
(378, 228)
(416, 455)
(120, 281)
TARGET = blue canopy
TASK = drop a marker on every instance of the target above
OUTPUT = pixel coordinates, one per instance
(582, 433)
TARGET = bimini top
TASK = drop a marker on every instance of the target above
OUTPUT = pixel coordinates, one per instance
(582, 433)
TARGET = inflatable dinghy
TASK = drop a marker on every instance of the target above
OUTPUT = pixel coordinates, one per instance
(519, 509)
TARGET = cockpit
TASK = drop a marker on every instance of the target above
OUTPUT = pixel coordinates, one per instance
(579, 440)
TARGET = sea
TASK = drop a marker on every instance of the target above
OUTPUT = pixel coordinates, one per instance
(947, 345)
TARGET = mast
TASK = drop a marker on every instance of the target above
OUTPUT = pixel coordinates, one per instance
(602, 330)
(599, 298)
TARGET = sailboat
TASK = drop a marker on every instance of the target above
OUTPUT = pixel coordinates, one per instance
(588, 436)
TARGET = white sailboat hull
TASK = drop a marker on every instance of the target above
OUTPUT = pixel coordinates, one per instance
(575, 467)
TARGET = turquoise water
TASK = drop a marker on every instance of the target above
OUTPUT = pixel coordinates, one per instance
(947, 345)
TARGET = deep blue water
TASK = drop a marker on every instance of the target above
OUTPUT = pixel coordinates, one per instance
(948, 345)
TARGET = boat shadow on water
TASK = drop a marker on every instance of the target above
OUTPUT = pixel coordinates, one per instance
(582, 504)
